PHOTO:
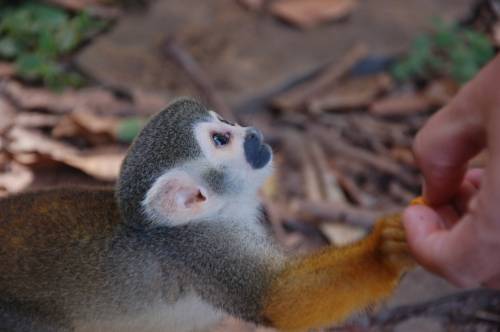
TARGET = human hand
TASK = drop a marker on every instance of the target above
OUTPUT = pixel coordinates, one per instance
(458, 234)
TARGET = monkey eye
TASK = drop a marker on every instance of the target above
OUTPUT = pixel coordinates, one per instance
(221, 139)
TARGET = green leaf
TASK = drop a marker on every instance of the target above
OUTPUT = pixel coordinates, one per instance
(30, 66)
(67, 39)
(36, 36)
(464, 72)
(479, 45)
(446, 37)
(47, 44)
(46, 16)
(8, 48)
(449, 51)
(129, 128)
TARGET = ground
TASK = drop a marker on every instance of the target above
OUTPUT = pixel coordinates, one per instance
(247, 53)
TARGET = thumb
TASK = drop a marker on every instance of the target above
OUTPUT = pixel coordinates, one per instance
(424, 232)
(449, 253)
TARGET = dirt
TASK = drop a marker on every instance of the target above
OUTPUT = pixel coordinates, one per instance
(246, 53)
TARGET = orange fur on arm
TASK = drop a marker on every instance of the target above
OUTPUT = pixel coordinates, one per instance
(330, 285)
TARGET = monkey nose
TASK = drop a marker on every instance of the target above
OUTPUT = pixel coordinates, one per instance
(253, 135)
(257, 153)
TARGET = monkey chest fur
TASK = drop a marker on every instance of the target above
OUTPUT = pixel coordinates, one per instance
(188, 314)
(111, 285)
(144, 294)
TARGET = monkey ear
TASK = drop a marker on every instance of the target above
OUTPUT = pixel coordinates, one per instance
(186, 197)
(175, 198)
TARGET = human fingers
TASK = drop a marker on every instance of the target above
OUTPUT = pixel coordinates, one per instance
(449, 253)
(458, 132)
(443, 147)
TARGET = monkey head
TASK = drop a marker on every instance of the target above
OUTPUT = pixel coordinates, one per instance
(188, 164)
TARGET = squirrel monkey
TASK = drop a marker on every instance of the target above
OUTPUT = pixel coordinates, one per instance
(178, 244)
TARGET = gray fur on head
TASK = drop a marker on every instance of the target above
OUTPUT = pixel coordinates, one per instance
(166, 141)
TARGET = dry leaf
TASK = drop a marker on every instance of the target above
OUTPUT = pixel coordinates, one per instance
(93, 99)
(29, 141)
(342, 234)
(4, 158)
(31, 147)
(103, 164)
(403, 155)
(440, 92)
(309, 13)
(352, 93)
(34, 98)
(36, 120)
(147, 102)
(7, 114)
(7, 70)
(96, 129)
(14, 178)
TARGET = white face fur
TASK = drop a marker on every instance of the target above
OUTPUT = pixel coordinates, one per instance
(180, 195)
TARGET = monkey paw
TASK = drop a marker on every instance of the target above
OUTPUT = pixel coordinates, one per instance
(393, 246)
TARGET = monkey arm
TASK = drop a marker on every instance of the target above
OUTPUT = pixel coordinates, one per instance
(328, 286)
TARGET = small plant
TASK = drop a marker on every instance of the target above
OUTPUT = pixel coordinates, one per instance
(37, 36)
(448, 51)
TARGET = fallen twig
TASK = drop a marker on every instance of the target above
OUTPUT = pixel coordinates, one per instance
(402, 105)
(173, 50)
(338, 146)
(337, 212)
(307, 14)
(302, 94)
(479, 306)
(352, 93)
(352, 190)
(314, 187)
(332, 192)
